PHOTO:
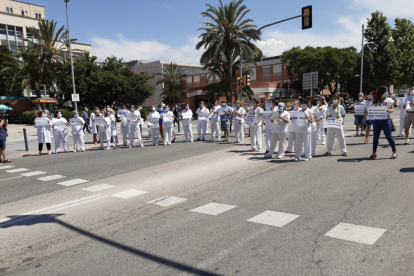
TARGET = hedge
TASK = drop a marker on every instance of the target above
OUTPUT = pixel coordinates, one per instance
(29, 116)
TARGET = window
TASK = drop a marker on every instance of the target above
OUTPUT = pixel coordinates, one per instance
(28, 34)
(24, 12)
(40, 15)
(287, 82)
(286, 66)
(36, 14)
(19, 31)
(217, 77)
(189, 79)
(7, 9)
(253, 74)
(265, 70)
(10, 31)
(43, 92)
(277, 68)
(11, 10)
(197, 78)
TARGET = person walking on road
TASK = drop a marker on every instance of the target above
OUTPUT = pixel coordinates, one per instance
(368, 123)
(303, 131)
(3, 137)
(85, 117)
(187, 125)
(134, 128)
(43, 132)
(124, 128)
(202, 121)
(225, 120)
(268, 131)
(76, 124)
(154, 125)
(215, 122)
(176, 114)
(255, 112)
(93, 126)
(105, 131)
(279, 120)
(167, 126)
(292, 143)
(239, 113)
(381, 99)
(60, 132)
(321, 119)
(409, 115)
(359, 115)
(336, 113)
(114, 134)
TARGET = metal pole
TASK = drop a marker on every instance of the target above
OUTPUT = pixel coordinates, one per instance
(362, 57)
(70, 52)
(25, 139)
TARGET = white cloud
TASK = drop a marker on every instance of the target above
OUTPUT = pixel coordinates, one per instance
(144, 50)
(272, 47)
(394, 8)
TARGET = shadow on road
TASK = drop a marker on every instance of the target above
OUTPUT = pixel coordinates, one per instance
(404, 170)
(29, 220)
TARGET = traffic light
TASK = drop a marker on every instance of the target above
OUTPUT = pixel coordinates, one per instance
(246, 80)
(239, 84)
(307, 19)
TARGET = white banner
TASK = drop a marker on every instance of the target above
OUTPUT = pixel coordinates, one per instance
(168, 118)
(250, 119)
(122, 113)
(334, 123)
(298, 118)
(75, 122)
(400, 101)
(220, 111)
(201, 118)
(99, 121)
(153, 121)
(40, 122)
(359, 109)
(59, 124)
(131, 117)
(187, 115)
(377, 113)
(266, 116)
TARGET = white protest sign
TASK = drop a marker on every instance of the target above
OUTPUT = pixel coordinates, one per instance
(75, 122)
(359, 109)
(153, 120)
(168, 118)
(334, 123)
(75, 98)
(187, 115)
(266, 116)
(202, 118)
(400, 101)
(131, 117)
(122, 113)
(201, 114)
(221, 112)
(99, 121)
(377, 113)
(59, 124)
(41, 122)
(298, 118)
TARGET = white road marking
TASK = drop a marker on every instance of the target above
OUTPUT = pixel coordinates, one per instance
(17, 170)
(51, 177)
(73, 182)
(356, 233)
(155, 200)
(10, 178)
(228, 251)
(98, 187)
(6, 167)
(213, 208)
(32, 173)
(170, 200)
(129, 193)
(273, 218)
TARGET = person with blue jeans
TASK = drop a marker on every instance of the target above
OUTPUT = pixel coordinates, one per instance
(381, 99)
(85, 117)
(359, 114)
(225, 120)
(3, 136)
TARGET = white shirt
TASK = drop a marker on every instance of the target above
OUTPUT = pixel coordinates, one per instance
(77, 129)
(167, 124)
(340, 112)
(154, 115)
(387, 102)
(314, 110)
(54, 120)
(321, 112)
(215, 117)
(307, 126)
(238, 120)
(202, 110)
(282, 125)
(137, 114)
(407, 102)
(186, 121)
(257, 113)
(368, 104)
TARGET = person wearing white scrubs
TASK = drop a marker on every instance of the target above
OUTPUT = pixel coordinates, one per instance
(201, 122)
(268, 131)
(134, 128)
(77, 124)
(238, 120)
(314, 109)
(403, 113)
(105, 131)
(187, 125)
(43, 132)
(93, 126)
(215, 122)
(114, 136)
(279, 121)
(167, 126)
(336, 112)
(60, 132)
(255, 112)
(124, 128)
(154, 125)
(321, 118)
(292, 131)
(269, 103)
(303, 131)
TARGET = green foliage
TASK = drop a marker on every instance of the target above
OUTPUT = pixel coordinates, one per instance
(29, 116)
(7, 60)
(144, 114)
(170, 76)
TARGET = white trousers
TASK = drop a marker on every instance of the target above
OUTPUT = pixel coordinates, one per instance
(320, 129)
(125, 131)
(168, 135)
(61, 137)
(281, 138)
(256, 136)
(155, 135)
(188, 133)
(202, 129)
(302, 138)
(268, 136)
(105, 136)
(291, 141)
(78, 140)
(339, 132)
(135, 129)
(239, 133)
(215, 130)
(313, 139)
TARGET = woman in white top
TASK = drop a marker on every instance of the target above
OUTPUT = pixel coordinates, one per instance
(93, 126)
(292, 131)
(255, 111)
(336, 112)
(312, 105)
(43, 132)
(187, 125)
(321, 118)
(279, 121)
(114, 135)
(382, 99)
(303, 131)
(60, 132)
(215, 122)
(202, 121)
(238, 120)
(368, 123)
(167, 126)
(402, 114)
(77, 124)
(105, 131)
(268, 131)
(154, 125)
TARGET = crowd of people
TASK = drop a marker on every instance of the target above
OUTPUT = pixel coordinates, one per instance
(310, 119)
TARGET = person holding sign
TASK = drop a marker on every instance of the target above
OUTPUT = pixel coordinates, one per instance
(225, 120)
(381, 100)
(279, 121)
(254, 117)
(321, 118)
(187, 115)
(77, 132)
(312, 105)
(154, 125)
(292, 128)
(167, 125)
(202, 121)
(303, 131)
(124, 126)
(402, 111)
(335, 115)
(60, 132)
(134, 121)
(239, 112)
(105, 130)
(215, 122)
(268, 131)
(92, 124)
(114, 136)
(359, 110)
(368, 123)
(409, 116)
(43, 124)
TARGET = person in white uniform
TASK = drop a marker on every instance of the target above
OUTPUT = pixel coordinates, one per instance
(314, 109)
(321, 118)
(292, 131)
(269, 103)
(409, 115)
(154, 125)
(239, 113)
(93, 126)
(43, 132)
(60, 132)
(336, 112)
(303, 131)
(215, 122)
(202, 121)
(105, 131)
(268, 131)
(279, 121)
(255, 113)
(167, 125)
(114, 135)
(77, 124)
(124, 128)
(359, 116)
(134, 128)
(187, 125)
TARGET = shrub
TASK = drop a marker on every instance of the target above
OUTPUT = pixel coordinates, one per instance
(29, 116)
(66, 114)
(143, 114)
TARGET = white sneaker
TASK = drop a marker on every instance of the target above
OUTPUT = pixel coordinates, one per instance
(130, 147)
(169, 143)
(74, 150)
(323, 143)
(307, 159)
(362, 133)
(165, 144)
(297, 158)
(279, 157)
(407, 141)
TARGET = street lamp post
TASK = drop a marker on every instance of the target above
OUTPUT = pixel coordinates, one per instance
(70, 52)
(362, 55)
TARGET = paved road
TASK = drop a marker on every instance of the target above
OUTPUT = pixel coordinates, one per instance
(209, 208)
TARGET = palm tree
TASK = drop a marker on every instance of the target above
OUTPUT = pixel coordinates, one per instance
(226, 35)
(170, 76)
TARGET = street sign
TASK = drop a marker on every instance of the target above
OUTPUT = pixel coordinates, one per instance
(75, 98)
(310, 81)
(391, 88)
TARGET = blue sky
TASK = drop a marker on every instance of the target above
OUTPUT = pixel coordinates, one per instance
(167, 30)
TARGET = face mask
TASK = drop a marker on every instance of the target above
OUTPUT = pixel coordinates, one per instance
(318, 102)
(385, 94)
(237, 105)
(76, 115)
(59, 115)
(201, 105)
(294, 106)
(97, 111)
(86, 109)
(215, 104)
(160, 109)
(251, 105)
(132, 109)
(370, 96)
(280, 108)
(335, 101)
(187, 107)
(303, 106)
(43, 115)
(153, 108)
(405, 94)
(224, 105)
(167, 109)
(360, 98)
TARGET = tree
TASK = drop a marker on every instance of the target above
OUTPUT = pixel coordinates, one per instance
(170, 76)
(403, 37)
(226, 35)
(7, 60)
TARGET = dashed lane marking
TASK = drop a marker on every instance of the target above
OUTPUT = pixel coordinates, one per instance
(32, 173)
(73, 182)
(168, 201)
(98, 187)
(6, 167)
(51, 177)
(272, 218)
(213, 208)
(356, 233)
(17, 170)
(129, 193)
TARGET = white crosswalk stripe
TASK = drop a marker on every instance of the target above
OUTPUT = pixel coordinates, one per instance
(32, 173)
(99, 187)
(73, 182)
(51, 177)
(356, 233)
(6, 167)
(273, 218)
(167, 201)
(129, 193)
(17, 170)
(213, 208)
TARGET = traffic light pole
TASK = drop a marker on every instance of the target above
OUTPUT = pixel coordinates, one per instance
(244, 47)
